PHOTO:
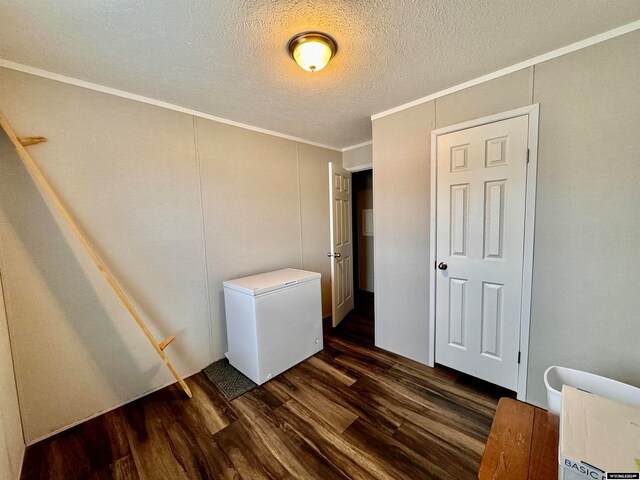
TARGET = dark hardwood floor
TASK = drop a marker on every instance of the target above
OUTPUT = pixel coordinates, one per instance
(351, 411)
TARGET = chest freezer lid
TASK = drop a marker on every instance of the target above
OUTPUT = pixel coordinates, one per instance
(270, 281)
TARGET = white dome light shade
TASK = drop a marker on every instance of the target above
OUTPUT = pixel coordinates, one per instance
(312, 50)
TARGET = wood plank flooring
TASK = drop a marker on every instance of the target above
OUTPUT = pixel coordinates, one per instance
(351, 411)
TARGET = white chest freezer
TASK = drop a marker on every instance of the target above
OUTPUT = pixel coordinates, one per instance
(274, 321)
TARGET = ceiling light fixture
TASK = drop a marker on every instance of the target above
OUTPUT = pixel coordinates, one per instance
(312, 50)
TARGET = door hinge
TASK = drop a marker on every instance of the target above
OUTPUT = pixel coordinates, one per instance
(519, 355)
(528, 154)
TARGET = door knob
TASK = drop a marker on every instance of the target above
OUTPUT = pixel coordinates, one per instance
(336, 255)
(442, 266)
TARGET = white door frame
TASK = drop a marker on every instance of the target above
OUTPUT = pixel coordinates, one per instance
(532, 111)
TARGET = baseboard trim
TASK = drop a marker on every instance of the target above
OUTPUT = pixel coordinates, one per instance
(102, 412)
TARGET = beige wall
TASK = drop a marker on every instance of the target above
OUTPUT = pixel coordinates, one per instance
(401, 177)
(584, 310)
(251, 213)
(358, 158)
(129, 174)
(11, 440)
(313, 174)
(266, 207)
(173, 210)
(586, 261)
(495, 96)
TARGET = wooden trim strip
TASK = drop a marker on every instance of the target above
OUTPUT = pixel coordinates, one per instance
(26, 141)
(166, 342)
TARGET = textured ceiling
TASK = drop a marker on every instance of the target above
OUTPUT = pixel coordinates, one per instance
(228, 58)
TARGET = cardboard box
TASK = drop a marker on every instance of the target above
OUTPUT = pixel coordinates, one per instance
(599, 438)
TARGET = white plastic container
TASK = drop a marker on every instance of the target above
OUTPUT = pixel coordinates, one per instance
(555, 377)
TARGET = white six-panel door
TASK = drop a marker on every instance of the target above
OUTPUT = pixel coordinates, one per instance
(481, 193)
(341, 253)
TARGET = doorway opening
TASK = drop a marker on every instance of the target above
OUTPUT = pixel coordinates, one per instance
(363, 237)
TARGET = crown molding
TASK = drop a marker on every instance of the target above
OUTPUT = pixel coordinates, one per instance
(150, 101)
(359, 145)
(587, 42)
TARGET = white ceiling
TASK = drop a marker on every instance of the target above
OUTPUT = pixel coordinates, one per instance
(228, 57)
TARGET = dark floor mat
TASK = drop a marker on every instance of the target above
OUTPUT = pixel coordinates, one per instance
(230, 381)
